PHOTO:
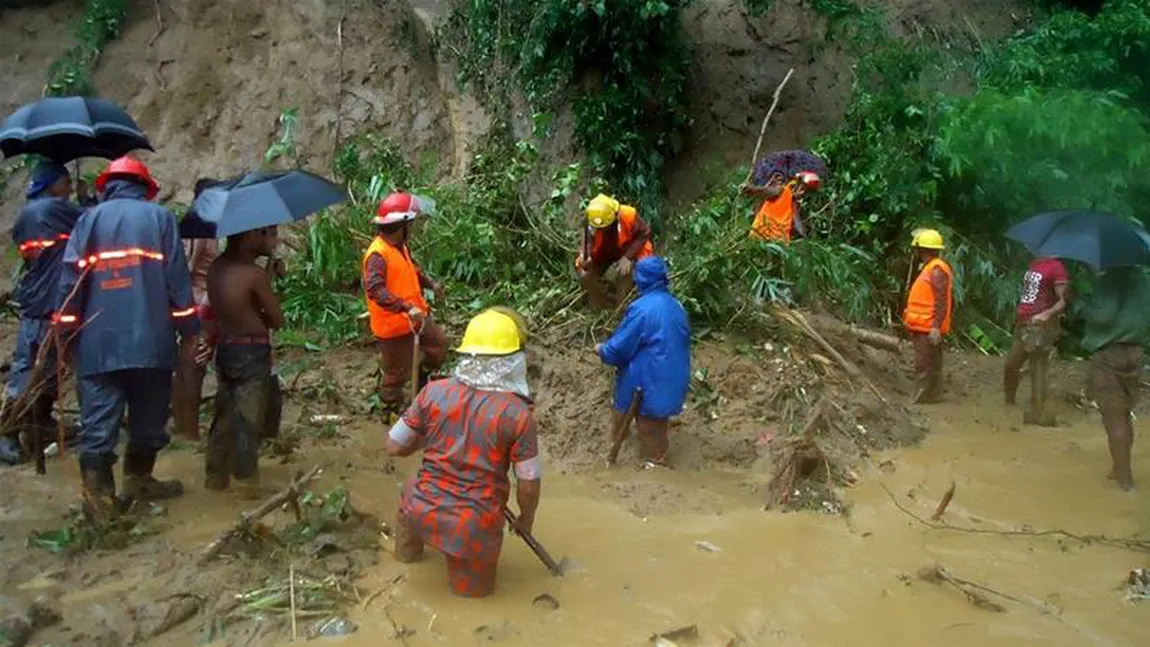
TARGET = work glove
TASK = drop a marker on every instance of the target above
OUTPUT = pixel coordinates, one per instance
(935, 336)
(623, 266)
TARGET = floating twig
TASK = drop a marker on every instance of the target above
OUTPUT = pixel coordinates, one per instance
(941, 509)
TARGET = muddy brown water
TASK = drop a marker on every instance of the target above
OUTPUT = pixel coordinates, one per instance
(778, 579)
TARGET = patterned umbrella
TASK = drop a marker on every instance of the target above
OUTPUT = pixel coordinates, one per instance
(787, 164)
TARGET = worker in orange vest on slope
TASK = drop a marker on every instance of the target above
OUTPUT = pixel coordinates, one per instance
(614, 238)
(929, 307)
(778, 217)
(393, 286)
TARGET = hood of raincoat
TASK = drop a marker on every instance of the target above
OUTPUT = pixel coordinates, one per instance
(43, 177)
(650, 274)
(123, 187)
(495, 373)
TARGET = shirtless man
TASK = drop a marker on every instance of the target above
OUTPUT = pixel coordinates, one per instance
(248, 400)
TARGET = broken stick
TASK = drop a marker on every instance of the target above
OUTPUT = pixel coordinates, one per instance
(289, 494)
(767, 120)
(941, 509)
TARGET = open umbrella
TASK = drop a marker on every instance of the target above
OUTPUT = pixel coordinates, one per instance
(68, 128)
(1100, 240)
(787, 163)
(258, 199)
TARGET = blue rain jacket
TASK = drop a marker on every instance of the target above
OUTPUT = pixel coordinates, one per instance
(651, 349)
(41, 232)
(137, 292)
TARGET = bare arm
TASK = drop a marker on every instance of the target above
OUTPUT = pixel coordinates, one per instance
(1059, 306)
(940, 284)
(641, 233)
(272, 313)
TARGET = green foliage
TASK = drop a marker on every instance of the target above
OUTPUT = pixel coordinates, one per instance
(621, 63)
(100, 23)
(758, 7)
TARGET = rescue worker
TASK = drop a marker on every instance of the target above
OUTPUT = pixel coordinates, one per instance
(1037, 327)
(472, 429)
(248, 398)
(133, 294)
(613, 240)
(1117, 318)
(188, 385)
(929, 306)
(651, 352)
(778, 218)
(40, 233)
(393, 286)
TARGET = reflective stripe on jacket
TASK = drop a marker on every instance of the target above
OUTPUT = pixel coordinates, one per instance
(402, 281)
(920, 303)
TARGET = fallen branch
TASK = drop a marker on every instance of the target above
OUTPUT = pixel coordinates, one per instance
(941, 509)
(976, 593)
(767, 120)
(797, 320)
(1140, 545)
(289, 494)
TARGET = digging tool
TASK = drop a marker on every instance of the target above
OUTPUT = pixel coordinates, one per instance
(536, 547)
(414, 358)
(624, 426)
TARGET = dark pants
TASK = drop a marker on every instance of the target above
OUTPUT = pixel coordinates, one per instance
(396, 355)
(147, 395)
(927, 369)
(1115, 372)
(248, 408)
(33, 334)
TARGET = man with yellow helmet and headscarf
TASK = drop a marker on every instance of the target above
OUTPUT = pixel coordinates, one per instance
(614, 238)
(472, 429)
(929, 306)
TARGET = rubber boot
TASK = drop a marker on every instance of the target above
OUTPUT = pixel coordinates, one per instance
(99, 485)
(140, 485)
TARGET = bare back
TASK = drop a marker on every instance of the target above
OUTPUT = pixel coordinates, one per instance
(242, 298)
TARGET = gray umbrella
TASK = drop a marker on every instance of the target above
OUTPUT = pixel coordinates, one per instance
(256, 200)
(68, 128)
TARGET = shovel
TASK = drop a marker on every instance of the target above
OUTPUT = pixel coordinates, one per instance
(556, 568)
(415, 358)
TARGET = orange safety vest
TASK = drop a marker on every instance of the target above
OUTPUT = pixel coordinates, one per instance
(402, 281)
(920, 304)
(628, 215)
(776, 218)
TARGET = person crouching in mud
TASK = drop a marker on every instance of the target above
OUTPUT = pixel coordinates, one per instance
(472, 429)
(248, 399)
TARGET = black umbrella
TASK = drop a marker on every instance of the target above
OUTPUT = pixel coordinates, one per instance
(1098, 239)
(256, 200)
(68, 128)
(787, 163)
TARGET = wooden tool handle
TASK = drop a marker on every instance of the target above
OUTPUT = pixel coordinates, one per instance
(625, 425)
(534, 545)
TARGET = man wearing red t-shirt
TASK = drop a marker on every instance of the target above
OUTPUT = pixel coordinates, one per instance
(1036, 328)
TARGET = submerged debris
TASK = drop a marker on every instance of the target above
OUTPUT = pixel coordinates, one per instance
(1138, 585)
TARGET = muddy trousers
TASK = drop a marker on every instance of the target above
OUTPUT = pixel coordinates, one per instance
(146, 394)
(1033, 344)
(467, 578)
(396, 356)
(249, 404)
(1115, 373)
(927, 369)
(30, 387)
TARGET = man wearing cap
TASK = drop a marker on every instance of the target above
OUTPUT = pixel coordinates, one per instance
(614, 238)
(472, 428)
(778, 218)
(133, 295)
(929, 306)
(393, 285)
(40, 234)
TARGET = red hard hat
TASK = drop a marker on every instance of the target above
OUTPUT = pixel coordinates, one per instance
(401, 207)
(128, 166)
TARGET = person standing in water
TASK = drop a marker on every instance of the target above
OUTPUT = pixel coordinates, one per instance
(248, 399)
(1037, 328)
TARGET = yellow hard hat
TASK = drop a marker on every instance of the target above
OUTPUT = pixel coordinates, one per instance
(926, 239)
(601, 211)
(520, 322)
(491, 333)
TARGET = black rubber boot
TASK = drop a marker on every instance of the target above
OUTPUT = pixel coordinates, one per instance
(99, 485)
(140, 485)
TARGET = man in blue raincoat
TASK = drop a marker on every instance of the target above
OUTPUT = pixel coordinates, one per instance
(651, 351)
(134, 295)
(40, 234)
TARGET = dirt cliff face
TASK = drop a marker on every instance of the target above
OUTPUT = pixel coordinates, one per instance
(207, 80)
